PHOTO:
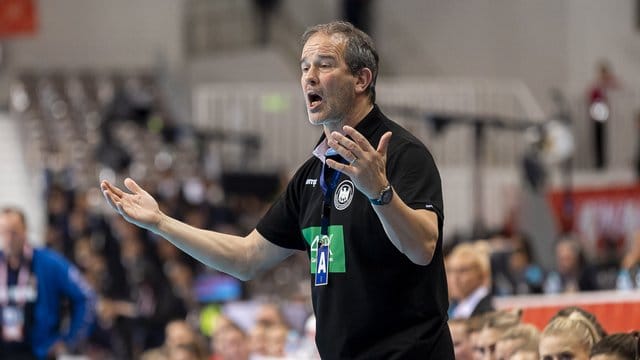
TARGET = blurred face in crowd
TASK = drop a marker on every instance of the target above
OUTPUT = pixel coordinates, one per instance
(257, 340)
(179, 333)
(464, 275)
(276, 337)
(13, 234)
(506, 348)
(460, 337)
(327, 82)
(524, 355)
(231, 344)
(566, 257)
(562, 347)
(487, 341)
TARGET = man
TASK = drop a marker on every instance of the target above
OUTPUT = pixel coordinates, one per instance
(469, 275)
(367, 208)
(33, 284)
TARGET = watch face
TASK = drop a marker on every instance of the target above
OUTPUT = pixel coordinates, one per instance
(386, 196)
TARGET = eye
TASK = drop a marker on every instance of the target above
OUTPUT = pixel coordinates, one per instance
(566, 356)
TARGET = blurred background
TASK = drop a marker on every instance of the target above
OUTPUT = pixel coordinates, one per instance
(530, 108)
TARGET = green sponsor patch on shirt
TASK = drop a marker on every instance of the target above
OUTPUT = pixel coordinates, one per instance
(336, 247)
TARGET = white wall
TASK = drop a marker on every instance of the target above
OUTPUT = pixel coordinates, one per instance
(104, 34)
(602, 29)
(483, 38)
(546, 43)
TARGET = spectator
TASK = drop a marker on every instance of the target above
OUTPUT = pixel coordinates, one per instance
(571, 336)
(30, 321)
(567, 311)
(517, 272)
(617, 347)
(600, 111)
(521, 337)
(572, 273)
(177, 333)
(495, 325)
(460, 336)
(277, 337)
(230, 342)
(469, 275)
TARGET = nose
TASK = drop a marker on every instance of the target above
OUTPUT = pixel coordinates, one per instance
(310, 76)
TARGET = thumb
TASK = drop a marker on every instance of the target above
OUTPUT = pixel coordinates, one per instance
(133, 186)
(384, 143)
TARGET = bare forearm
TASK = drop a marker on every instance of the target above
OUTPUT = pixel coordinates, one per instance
(412, 232)
(223, 252)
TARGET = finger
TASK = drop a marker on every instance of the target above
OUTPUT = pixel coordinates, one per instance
(114, 189)
(112, 200)
(383, 145)
(343, 168)
(348, 144)
(362, 141)
(133, 186)
(342, 151)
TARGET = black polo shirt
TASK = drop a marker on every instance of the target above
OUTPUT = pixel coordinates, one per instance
(377, 304)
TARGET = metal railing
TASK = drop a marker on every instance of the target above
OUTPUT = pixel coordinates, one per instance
(276, 113)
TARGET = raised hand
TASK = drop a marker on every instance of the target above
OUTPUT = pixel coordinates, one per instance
(367, 168)
(137, 207)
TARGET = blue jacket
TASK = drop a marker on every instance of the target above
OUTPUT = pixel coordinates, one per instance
(58, 279)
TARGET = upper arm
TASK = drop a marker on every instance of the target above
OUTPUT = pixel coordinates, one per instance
(262, 254)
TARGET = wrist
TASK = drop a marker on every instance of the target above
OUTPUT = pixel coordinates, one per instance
(384, 196)
(162, 223)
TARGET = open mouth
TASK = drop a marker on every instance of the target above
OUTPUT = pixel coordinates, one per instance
(314, 99)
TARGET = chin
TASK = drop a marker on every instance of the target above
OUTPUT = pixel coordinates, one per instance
(315, 119)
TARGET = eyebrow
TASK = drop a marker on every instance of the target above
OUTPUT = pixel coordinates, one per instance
(321, 57)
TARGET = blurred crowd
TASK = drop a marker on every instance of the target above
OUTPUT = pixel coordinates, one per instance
(572, 333)
(505, 264)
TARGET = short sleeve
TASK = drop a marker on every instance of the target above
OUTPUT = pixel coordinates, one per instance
(280, 225)
(415, 178)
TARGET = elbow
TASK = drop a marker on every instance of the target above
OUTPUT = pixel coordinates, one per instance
(243, 272)
(246, 274)
(424, 254)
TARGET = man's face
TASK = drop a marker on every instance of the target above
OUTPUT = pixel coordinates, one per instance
(12, 234)
(464, 276)
(327, 82)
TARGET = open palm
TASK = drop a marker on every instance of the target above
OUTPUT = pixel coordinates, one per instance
(137, 207)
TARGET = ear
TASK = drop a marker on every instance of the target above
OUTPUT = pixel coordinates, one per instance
(363, 80)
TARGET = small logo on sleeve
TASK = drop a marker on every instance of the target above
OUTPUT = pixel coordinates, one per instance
(311, 182)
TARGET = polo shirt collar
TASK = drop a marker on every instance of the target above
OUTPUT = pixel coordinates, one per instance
(366, 127)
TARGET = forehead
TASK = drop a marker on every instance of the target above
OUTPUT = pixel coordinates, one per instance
(10, 220)
(461, 259)
(556, 343)
(488, 336)
(322, 44)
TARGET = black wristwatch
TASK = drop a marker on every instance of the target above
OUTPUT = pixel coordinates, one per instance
(385, 196)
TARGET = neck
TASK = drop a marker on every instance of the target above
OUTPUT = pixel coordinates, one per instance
(353, 118)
